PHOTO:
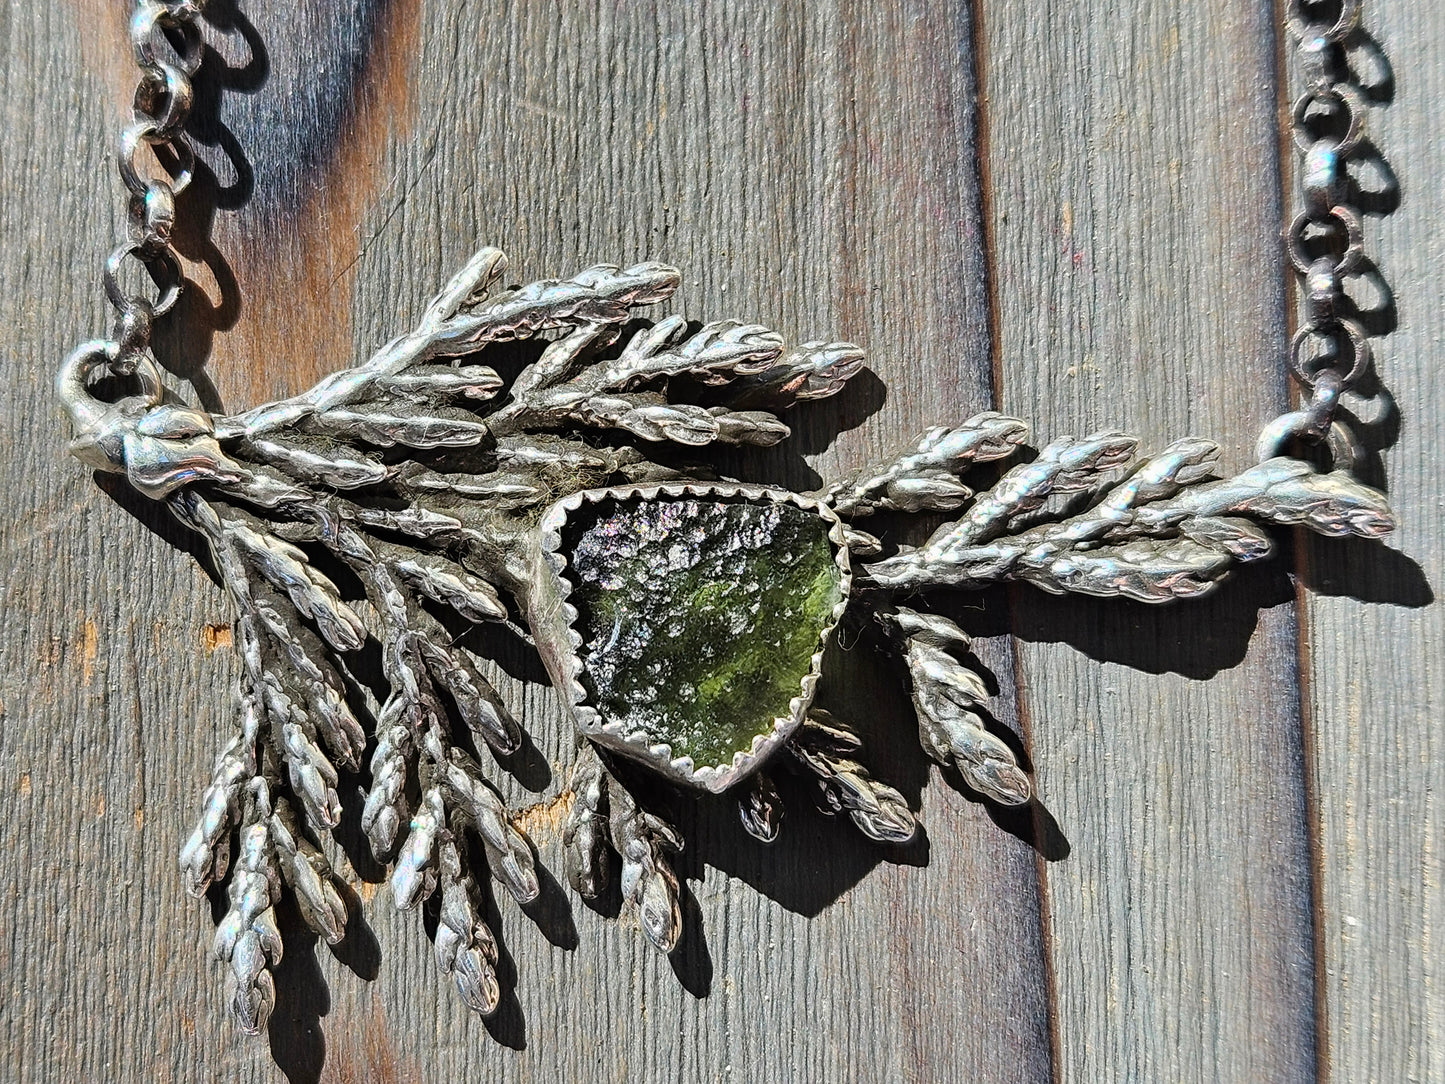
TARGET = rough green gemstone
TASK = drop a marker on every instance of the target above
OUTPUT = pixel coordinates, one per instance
(699, 618)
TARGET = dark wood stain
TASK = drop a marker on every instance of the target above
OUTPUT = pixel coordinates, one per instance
(316, 133)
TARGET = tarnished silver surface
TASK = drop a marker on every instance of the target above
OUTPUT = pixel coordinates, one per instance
(443, 488)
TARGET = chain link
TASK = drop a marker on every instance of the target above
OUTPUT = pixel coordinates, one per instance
(1330, 351)
(166, 40)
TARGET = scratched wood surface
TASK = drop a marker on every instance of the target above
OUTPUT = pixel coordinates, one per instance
(1235, 872)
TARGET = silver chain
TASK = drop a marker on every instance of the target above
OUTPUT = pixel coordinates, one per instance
(166, 40)
(1330, 351)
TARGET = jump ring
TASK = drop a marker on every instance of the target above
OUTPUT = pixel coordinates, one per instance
(1345, 451)
(148, 20)
(1302, 28)
(73, 380)
(1345, 221)
(153, 216)
(164, 268)
(1309, 376)
(1325, 400)
(1339, 97)
(146, 132)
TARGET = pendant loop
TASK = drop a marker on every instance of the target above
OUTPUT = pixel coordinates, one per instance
(1315, 422)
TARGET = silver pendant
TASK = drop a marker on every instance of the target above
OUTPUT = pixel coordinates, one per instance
(682, 616)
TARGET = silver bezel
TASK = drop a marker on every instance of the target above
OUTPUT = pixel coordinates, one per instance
(558, 642)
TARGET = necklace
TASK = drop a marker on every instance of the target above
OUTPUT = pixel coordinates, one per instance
(683, 615)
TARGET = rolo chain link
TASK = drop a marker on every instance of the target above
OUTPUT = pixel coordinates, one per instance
(165, 37)
(1330, 351)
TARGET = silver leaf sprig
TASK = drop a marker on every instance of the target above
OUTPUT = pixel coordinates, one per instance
(643, 840)
(637, 391)
(247, 938)
(308, 874)
(823, 749)
(760, 807)
(585, 839)
(948, 697)
(1168, 530)
(455, 795)
(474, 803)
(412, 737)
(465, 947)
(926, 477)
(206, 854)
(280, 703)
(605, 820)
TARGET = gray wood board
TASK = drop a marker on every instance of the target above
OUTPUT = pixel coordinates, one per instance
(1375, 677)
(1135, 197)
(1237, 871)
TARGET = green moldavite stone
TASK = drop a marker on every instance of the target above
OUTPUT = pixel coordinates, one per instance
(699, 618)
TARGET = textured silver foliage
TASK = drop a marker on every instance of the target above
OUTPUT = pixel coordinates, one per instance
(1165, 531)
(423, 474)
(305, 869)
(585, 838)
(508, 854)
(643, 840)
(606, 820)
(948, 697)
(824, 749)
(247, 938)
(926, 478)
(465, 947)
(761, 807)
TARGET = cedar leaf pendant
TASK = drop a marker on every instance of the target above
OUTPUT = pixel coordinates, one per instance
(683, 617)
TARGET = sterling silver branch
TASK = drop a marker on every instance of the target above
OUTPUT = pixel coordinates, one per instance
(926, 478)
(465, 947)
(404, 500)
(605, 820)
(948, 697)
(1162, 533)
(585, 838)
(643, 841)
(247, 938)
(420, 476)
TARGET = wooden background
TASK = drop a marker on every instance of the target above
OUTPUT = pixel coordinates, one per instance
(1066, 210)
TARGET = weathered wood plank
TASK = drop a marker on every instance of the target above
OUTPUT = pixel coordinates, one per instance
(806, 165)
(1135, 207)
(813, 166)
(1375, 679)
(91, 729)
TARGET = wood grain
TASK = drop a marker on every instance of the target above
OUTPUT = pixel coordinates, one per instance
(1070, 209)
(1375, 678)
(1134, 191)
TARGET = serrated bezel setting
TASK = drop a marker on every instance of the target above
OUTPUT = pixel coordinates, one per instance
(553, 620)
